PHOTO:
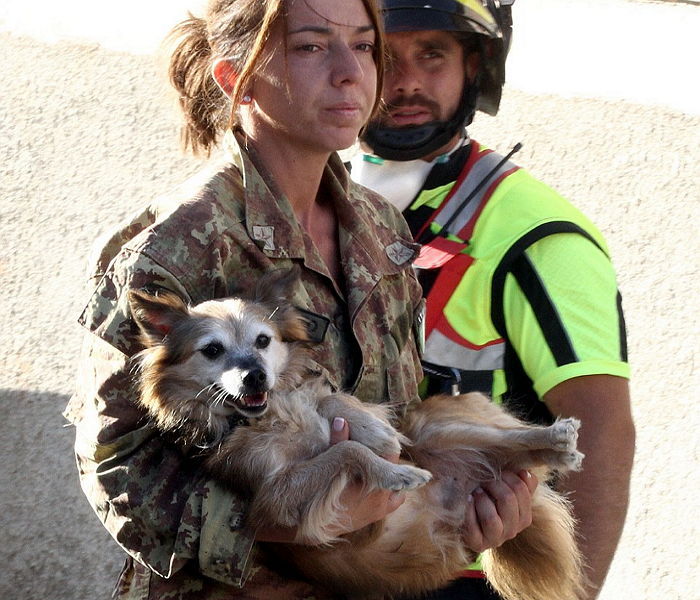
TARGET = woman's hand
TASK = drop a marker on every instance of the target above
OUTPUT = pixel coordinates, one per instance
(499, 510)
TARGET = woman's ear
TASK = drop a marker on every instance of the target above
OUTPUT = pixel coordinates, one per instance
(225, 75)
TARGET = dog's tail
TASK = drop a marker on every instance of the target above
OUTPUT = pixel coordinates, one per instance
(543, 561)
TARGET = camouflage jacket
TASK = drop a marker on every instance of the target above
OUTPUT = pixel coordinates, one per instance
(215, 235)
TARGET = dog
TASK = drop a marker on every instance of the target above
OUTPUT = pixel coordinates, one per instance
(206, 365)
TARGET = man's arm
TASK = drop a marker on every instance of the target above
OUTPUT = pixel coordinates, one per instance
(600, 492)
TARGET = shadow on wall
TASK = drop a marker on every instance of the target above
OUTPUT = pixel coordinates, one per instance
(53, 545)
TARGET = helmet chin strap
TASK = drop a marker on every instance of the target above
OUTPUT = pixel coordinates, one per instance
(414, 142)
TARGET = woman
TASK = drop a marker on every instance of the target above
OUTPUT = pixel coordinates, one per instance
(286, 83)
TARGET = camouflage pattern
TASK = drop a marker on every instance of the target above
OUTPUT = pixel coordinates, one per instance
(185, 535)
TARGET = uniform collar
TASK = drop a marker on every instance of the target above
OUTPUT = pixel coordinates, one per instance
(271, 223)
(269, 218)
(400, 182)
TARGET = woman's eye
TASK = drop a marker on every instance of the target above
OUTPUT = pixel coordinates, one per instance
(212, 350)
(365, 47)
(262, 341)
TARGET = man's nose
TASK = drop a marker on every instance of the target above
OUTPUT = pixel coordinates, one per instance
(402, 78)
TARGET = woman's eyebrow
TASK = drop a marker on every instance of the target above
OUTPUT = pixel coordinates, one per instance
(327, 30)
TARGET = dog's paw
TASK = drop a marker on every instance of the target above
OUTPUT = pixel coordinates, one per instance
(571, 461)
(380, 437)
(564, 461)
(564, 434)
(405, 477)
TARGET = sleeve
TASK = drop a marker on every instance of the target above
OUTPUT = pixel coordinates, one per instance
(563, 312)
(148, 493)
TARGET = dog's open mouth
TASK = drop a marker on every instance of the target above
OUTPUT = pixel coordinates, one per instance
(250, 405)
(254, 401)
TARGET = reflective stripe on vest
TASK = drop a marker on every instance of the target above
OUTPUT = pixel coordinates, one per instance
(442, 350)
(443, 345)
(478, 176)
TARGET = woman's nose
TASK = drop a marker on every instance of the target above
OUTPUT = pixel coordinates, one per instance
(346, 67)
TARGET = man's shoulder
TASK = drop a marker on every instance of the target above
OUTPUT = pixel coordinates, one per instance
(524, 201)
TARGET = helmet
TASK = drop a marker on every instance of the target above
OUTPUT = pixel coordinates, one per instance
(491, 21)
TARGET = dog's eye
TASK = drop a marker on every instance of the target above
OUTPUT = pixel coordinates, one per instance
(263, 341)
(212, 350)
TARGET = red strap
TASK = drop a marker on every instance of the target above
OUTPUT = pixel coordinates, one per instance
(471, 574)
(443, 288)
(466, 232)
(437, 252)
(474, 155)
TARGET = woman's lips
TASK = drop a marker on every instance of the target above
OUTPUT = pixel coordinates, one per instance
(345, 111)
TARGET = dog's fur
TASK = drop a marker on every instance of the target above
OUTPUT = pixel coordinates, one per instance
(243, 356)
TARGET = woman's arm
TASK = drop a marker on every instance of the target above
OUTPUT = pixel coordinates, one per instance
(149, 495)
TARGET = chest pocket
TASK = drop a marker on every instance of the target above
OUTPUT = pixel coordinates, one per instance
(387, 328)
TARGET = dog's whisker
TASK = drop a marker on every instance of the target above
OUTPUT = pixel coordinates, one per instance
(215, 396)
(220, 397)
(203, 390)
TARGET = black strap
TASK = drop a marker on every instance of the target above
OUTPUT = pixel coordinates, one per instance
(441, 174)
(521, 398)
(514, 253)
(545, 311)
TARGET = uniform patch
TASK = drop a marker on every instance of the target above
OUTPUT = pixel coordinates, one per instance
(398, 253)
(265, 234)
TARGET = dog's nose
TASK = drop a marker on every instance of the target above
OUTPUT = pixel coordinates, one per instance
(255, 378)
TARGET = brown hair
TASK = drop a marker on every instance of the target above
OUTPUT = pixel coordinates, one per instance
(235, 30)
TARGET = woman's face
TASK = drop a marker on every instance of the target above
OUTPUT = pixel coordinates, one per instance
(317, 88)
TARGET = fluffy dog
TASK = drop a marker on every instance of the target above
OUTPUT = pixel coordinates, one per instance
(203, 365)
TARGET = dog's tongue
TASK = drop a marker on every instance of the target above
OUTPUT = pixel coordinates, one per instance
(255, 399)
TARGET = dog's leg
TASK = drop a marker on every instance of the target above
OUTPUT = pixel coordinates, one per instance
(306, 495)
(471, 425)
(498, 448)
(562, 455)
(369, 423)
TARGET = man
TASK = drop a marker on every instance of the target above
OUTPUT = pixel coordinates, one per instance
(522, 298)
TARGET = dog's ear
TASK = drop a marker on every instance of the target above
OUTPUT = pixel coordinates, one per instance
(293, 327)
(156, 315)
(277, 286)
(275, 289)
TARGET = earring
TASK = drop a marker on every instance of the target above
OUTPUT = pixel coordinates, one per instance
(246, 99)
